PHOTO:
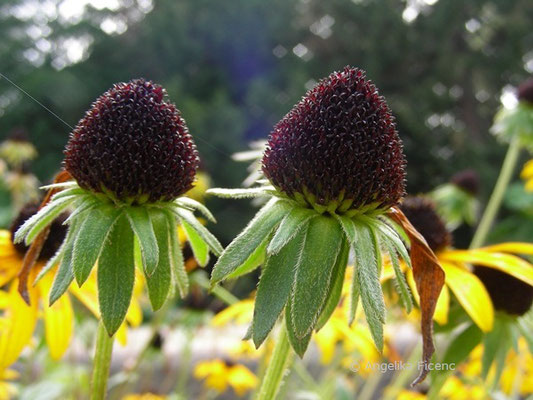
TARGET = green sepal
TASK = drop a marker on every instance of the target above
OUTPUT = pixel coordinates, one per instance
(91, 238)
(159, 282)
(82, 205)
(355, 294)
(61, 185)
(240, 249)
(36, 223)
(299, 344)
(141, 223)
(207, 237)
(199, 248)
(335, 287)
(116, 275)
(295, 220)
(369, 284)
(401, 283)
(72, 191)
(275, 286)
(64, 274)
(257, 258)
(192, 204)
(242, 193)
(392, 236)
(177, 264)
(314, 272)
(348, 227)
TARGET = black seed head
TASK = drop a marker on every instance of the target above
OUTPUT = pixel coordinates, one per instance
(525, 91)
(133, 144)
(506, 292)
(468, 180)
(55, 238)
(339, 143)
(423, 216)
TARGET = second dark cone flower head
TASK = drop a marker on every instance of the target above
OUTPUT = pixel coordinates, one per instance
(336, 166)
(338, 148)
(132, 159)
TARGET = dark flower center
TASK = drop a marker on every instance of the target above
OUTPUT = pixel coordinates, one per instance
(468, 180)
(338, 146)
(525, 91)
(133, 145)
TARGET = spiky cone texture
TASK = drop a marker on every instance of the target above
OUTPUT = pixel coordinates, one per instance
(336, 165)
(132, 159)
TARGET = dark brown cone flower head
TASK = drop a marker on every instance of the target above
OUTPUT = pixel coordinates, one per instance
(525, 91)
(339, 143)
(55, 237)
(506, 292)
(422, 214)
(134, 145)
(468, 180)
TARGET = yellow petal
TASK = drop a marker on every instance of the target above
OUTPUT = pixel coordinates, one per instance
(507, 263)
(471, 294)
(527, 171)
(58, 319)
(241, 311)
(510, 247)
(22, 319)
(122, 334)
(242, 379)
(529, 185)
(87, 294)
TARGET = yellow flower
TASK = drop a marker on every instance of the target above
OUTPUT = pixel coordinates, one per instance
(527, 175)
(143, 396)
(467, 288)
(7, 390)
(19, 319)
(220, 375)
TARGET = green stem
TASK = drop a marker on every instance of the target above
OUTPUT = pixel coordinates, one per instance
(496, 197)
(201, 280)
(102, 361)
(277, 366)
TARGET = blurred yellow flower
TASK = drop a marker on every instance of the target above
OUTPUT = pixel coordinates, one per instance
(18, 319)
(7, 390)
(219, 375)
(467, 288)
(527, 175)
(143, 396)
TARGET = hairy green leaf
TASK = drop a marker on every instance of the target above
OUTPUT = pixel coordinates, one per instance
(348, 227)
(141, 223)
(195, 205)
(64, 274)
(177, 265)
(242, 193)
(401, 283)
(198, 246)
(159, 282)
(116, 275)
(314, 272)
(295, 220)
(240, 249)
(355, 293)
(369, 285)
(255, 260)
(275, 286)
(207, 237)
(299, 344)
(335, 287)
(88, 245)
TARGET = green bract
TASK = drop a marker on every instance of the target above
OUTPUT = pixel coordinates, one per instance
(304, 254)
(116, 236)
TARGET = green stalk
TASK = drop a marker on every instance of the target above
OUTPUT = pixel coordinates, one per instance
(102, 361)
(496, 197)
(277, 366)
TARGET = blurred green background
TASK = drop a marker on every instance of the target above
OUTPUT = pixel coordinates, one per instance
(235, 67)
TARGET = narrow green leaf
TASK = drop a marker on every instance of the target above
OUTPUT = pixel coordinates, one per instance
(116, 275)
(69, 192)
(401, 283)
(206, 236)
(369, 285)
(141, 224)
(159, 282)
(195, 205)
(314, 272)
(64, 274)
(348, 227)
(256, 259)
(275, 286)
(335, 287)
(177, 265)
(88, 245)
(298, 344)
(393, 237)
(242, 193)
(240, 249)
(198, 246)
(36, 223)
(355, 293)
(295, 220)
(61, 185)
(82, 206)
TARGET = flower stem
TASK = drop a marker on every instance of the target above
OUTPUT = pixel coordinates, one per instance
(102, 361)
(277, 366)
(496, 197)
